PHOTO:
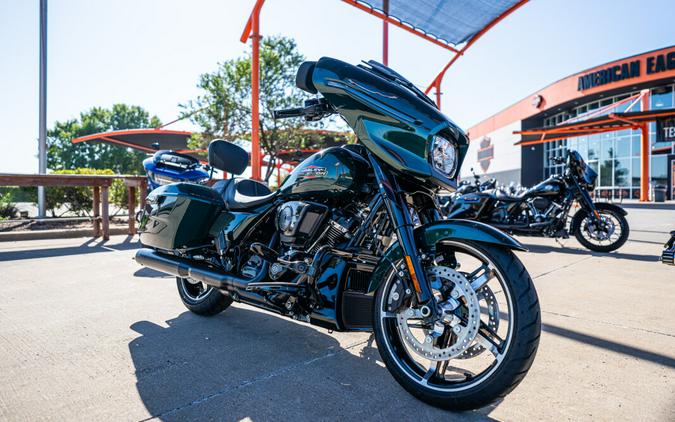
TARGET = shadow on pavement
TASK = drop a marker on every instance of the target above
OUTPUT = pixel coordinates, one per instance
(543, 249)
(247, 364)
(88, 247)
(610, 345)
(150, 273)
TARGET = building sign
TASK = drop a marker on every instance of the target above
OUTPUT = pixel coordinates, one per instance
(486, 153)
(665, 129)
(652, 64)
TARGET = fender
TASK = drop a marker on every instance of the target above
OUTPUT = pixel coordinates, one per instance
(576, 219)
(608, 206)
(428, 235)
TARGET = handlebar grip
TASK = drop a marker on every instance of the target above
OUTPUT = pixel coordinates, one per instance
(289, 112)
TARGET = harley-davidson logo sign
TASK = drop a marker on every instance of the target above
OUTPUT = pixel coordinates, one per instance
(486, 153)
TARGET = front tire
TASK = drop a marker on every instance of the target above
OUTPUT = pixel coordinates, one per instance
(201, 299)
(606, 239)
(509, 367)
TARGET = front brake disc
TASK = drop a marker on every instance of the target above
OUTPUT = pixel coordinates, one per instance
(465, 331)
(485, 294)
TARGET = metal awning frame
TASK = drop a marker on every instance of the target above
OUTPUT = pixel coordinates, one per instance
(252, 31)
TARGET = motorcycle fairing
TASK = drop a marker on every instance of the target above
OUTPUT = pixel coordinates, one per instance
(393, 121)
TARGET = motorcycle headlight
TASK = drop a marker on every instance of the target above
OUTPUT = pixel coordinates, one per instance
(444, 156)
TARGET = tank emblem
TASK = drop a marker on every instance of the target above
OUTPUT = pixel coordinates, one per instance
(313, 172)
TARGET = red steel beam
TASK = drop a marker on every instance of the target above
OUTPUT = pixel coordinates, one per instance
(644, 152)
(385, 35)
(253, 29)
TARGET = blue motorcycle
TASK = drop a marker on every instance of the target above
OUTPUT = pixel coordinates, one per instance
(166, 167)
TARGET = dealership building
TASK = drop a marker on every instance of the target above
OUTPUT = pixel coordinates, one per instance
(620, 116)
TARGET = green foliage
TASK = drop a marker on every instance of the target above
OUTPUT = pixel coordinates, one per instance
(19, 194)
(79, 199)
(64, 155)
(7, 209)
(224, 108)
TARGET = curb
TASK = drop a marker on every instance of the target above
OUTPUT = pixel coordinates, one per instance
(55, 234)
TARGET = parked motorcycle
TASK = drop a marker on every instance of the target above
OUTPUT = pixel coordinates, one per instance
(543, 209)
(353, 241)
(668, 255)
(166, 166)
(463, 187)
(467, 186)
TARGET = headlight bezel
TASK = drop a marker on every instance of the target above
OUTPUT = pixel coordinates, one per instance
(442, 145)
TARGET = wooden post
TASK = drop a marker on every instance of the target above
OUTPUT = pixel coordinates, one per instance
(105, 212)
(97, 211)
(131, 206)
(144, 194)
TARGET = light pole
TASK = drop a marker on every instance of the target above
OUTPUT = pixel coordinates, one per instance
(42, 136)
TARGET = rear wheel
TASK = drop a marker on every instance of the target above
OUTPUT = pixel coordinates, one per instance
(485, 340)
(606, 235)
(200, 298)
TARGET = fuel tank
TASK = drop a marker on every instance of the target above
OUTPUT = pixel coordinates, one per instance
(549, 187)
(334, 173)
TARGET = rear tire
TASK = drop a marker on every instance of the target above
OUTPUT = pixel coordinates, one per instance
(515, 363)
(205, 301)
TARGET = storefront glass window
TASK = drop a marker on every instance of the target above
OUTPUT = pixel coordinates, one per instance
(622, 172)
(635, 171)
(623, 147)
(662, 98)
(615, 156)
(659, 170)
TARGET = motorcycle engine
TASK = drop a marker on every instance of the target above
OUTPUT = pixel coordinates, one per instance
(306, 226)
(541, 203)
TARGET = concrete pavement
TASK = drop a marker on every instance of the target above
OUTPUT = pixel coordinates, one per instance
(86, 334)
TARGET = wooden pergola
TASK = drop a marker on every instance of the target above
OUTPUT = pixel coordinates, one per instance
(101, 190)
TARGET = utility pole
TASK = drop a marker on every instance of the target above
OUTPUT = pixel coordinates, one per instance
(42, 136)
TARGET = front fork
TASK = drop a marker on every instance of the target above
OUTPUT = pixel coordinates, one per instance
(586, 202)
(399, 213)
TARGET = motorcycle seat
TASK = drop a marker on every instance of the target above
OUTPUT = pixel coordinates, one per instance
(220, 186)
(242, 194)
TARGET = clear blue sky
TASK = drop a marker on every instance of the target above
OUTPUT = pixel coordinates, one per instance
(150, 53)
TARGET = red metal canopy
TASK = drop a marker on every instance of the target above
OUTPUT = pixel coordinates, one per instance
(609, 123)
(445, 23)
(143, 140)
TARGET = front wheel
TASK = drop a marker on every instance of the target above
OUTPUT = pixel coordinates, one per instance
(604, 235)
(485, 337)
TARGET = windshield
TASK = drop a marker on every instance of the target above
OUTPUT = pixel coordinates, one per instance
(392, 75)
(584, 171)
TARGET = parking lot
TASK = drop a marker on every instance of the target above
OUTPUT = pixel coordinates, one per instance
(87, 334)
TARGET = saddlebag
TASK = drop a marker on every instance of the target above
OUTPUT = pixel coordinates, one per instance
(179, 216)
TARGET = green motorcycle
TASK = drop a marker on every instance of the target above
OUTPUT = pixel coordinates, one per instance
(353, 241)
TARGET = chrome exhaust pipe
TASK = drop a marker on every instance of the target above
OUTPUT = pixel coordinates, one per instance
(178, 267)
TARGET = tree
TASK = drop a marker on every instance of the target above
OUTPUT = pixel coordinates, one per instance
(224, 108)
(62, 154)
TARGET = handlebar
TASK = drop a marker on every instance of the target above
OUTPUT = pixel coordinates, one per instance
(288, 112)
(314, 109)
(558, 160)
